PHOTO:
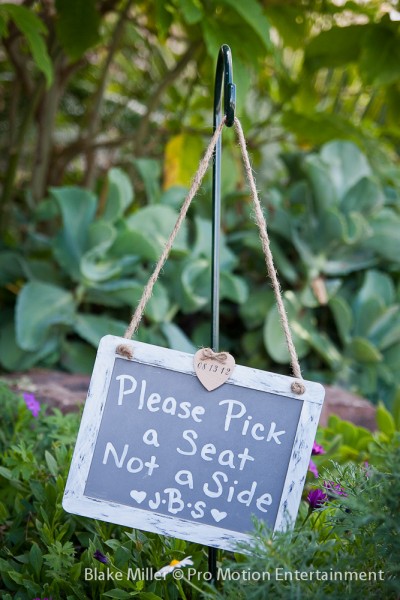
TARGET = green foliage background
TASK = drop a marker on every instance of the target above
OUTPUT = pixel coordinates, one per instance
(106, 112)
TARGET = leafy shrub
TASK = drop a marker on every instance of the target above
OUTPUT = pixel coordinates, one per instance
(334, 229)
(84, 281)
(352, 534)
(44, 551)
(334, 234)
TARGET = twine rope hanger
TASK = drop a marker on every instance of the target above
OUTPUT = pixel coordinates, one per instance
(124, 349)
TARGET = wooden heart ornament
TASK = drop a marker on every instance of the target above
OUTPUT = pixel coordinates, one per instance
(213, 368)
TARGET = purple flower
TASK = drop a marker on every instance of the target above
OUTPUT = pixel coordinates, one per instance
(334, 489)
(367, 468)
(316, 498)
(31, 403)
(313, 468)
(317, 449)
(100, 557)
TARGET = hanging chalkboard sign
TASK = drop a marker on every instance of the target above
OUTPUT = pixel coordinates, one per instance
(157, 451)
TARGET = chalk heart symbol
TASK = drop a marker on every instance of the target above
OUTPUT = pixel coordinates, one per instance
(212, 372)
(138, 496)
(218, 515)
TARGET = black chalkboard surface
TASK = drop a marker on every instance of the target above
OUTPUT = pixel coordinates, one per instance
(157, 451)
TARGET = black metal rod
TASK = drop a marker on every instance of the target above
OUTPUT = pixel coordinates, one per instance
(223, 75)
(223, 81)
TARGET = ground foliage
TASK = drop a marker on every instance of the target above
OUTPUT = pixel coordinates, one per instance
(44, 551)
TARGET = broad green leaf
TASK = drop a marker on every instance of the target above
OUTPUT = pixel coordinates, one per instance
(164, 18)
(333, 228)
(379, 285)
(385, 331)
(323, 345)
(252, 13)
(363, 351)
(202, 246)
(3, 24)
(78, 208)
(233, 288)
(156, 223)
(100, 235)
(77, 26)
(346, 164)
(195, 283)
(34, 31)
(36, 557)
(119, 292)
(346, 261)
(380, 55)
(211, 38)
(335, 47)
(366, 313)
(10, 267)
(158, 306)
(42, 270)
(343, 317)
(321, 182)
(291, 21)
(120, 195)
(318, 128)
(283, 265)
(40, 308)
(77, 357)
(174, 196)
(117, 593)
(6, 473)
(385, 420)
(192, 10)
(392, 358)
(357, 229)
(124, 292)
(45, 210)
(14, 358)
(97, 264)
(136, 243)
(92, 328)
(274, 337)
(51, 463)
(150, 171)
(176, 338)
(385, 238)
(181, 159)
(366, 196)
(254, 311)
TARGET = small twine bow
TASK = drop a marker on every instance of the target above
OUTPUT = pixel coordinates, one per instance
(209, 354)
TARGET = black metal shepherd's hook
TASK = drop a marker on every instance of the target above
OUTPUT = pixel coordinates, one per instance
(223, 76)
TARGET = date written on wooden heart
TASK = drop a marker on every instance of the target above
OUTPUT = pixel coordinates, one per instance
(213, 368)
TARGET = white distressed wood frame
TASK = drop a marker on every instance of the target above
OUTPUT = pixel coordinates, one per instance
(76, 502)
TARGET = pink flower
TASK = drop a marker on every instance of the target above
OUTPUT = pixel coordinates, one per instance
(317, 449)
(313, 468)
(31, 403)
